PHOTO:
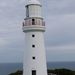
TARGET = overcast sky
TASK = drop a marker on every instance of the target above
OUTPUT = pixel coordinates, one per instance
(59, 36)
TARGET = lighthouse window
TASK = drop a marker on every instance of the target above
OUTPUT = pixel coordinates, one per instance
(33, 35)
(33, 57)
(33, 45)
(33, 72)
(33, 21)
(27, 11)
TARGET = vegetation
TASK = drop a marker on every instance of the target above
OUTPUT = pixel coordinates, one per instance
(62, 72)
(17, 73)
(55, 71)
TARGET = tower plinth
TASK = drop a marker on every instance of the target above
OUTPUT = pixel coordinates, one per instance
(34, 28)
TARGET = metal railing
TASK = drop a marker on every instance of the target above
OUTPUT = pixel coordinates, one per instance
(29, 23)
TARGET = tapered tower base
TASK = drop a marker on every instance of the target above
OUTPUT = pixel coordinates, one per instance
(34, 28)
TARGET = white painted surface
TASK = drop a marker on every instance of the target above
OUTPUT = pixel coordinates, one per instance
(35, 11)
(33, 28)
(33, 2)
(39, 64)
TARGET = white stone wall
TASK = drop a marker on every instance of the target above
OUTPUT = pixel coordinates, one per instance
(39, 63)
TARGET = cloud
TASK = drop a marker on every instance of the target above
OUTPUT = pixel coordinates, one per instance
(3, 4)
(58, 7)
(3, 42)
(64, 48)
(61, 53)
(60, 29)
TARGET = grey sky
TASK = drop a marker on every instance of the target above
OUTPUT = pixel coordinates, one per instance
(59, 36)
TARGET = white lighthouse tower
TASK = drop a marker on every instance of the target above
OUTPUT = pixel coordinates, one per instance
(34, 28)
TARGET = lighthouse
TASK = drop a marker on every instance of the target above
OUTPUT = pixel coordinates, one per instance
(34, 28)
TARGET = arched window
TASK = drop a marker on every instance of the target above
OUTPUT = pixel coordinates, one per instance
(33, 21)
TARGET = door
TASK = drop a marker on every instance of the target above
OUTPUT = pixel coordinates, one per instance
(33, 72)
